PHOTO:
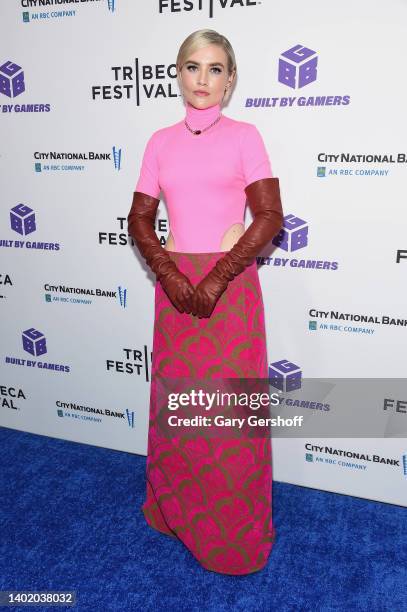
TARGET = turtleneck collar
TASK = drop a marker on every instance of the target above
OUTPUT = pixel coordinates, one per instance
(199, 118)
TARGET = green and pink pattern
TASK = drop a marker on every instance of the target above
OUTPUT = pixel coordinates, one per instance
(215, 495)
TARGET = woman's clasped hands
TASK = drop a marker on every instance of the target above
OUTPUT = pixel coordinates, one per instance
(199, 301)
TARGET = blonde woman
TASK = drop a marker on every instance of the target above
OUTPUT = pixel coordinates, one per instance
(213, 494)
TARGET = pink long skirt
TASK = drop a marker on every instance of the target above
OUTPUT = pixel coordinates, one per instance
(213, 494)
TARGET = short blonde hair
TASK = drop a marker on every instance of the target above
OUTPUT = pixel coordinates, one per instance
(202, 38)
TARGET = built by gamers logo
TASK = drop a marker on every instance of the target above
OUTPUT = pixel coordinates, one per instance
(292, 237)
(11, 79)
(297, 68)
(22, 221)
(34, 343)
(12, 84)
(285, 375)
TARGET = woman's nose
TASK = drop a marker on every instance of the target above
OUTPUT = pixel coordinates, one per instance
(202, 78)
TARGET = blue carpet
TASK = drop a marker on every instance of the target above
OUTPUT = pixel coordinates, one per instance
(70, 519)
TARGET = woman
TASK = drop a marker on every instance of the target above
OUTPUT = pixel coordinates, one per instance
(211, 493)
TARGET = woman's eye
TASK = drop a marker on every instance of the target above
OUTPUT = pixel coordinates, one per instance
(218, 70)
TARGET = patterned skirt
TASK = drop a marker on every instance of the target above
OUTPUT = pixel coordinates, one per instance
(212, 493)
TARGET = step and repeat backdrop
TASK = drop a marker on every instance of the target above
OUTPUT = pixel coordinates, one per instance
(83, 84)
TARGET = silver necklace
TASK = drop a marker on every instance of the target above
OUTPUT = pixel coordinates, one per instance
(197, 132)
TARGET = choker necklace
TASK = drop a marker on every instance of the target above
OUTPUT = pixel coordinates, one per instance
(197, 132)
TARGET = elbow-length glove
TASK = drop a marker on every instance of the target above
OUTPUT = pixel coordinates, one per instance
(141, 221)
(265, 204)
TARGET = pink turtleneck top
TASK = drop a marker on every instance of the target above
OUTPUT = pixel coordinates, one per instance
(203, 176)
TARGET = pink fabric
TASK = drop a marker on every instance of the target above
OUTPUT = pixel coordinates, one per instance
(203, 177)
(214, 494)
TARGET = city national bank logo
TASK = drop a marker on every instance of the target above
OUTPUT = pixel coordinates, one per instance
(358, 158)
(348, 322)
(349, 460)
(88, 414)
(12, 84)
(292, 237)
(11, 398)
(23, 222)
(34, 342)
(297, 68)
(83, 295)
(134, 361)
(115, 156)
(43, 14)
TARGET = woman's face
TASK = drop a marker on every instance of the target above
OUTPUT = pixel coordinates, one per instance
(206, 71)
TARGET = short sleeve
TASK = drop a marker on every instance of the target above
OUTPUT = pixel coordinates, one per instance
(148, 181)
(255, 160)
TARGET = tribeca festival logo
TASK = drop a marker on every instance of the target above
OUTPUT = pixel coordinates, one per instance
(297, 68)
(135, 361)
(292, 237)
(121, 237)
(197, 6)
(143, 80)
(401, 255)
(51, 156)
(94, 415)
(12, 84)
(23, 222)
(5, 281)
(55, 14)
(10, 397)
(34, 342)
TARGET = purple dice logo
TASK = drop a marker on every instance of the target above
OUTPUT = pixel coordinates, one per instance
(297, 67)
(293, 235)
(34, 342)
(11, 79)
(285, 375)
(22, 219)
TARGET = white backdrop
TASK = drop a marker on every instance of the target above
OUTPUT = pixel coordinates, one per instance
(82, 87)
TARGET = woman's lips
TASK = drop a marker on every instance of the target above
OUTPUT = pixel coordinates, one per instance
(201, 93)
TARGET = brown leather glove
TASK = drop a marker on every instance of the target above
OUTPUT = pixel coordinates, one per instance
(265, 204)
(141, 221)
